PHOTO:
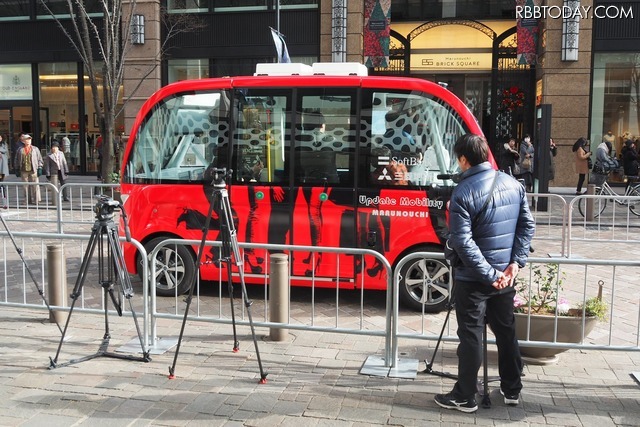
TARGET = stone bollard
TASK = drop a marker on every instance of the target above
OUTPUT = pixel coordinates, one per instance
(279, 295)
(591, 190)
(57, 285)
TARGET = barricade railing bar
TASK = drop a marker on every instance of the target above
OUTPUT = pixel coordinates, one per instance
(616, 223)
(347, 311)
(52, 211)
(320, 322)
(580, 280)
(17, 289)
(551, 221)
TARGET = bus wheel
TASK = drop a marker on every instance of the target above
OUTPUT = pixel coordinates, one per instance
(425, 282)
(175, 268)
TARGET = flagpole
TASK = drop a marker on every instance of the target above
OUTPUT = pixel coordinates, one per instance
(278, 15)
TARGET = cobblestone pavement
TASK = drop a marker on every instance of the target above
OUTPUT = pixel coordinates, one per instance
(313, 380)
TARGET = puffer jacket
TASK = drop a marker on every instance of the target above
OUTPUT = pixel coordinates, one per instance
(503, 231)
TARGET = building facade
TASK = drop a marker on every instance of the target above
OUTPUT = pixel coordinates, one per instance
(586, 68)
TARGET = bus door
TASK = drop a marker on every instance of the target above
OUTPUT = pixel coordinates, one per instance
(323, 186)
(401, 157)
(261, 193)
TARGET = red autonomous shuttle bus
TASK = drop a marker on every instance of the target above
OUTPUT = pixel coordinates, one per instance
(322, 156)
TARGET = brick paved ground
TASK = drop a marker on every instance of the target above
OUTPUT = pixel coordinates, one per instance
(313, 380)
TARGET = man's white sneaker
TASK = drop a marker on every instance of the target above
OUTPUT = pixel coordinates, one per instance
(511, 399)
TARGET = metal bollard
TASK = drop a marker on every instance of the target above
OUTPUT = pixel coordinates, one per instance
(591, 190)
(57, 285)
(279, 295)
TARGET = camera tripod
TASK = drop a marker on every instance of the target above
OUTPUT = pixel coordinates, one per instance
(221, 205)
(104, 236)
(483, 385)
(33, 277)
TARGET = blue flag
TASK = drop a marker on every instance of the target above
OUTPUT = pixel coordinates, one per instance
(281, 46)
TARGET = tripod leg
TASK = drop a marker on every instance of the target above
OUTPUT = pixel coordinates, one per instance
(189, 298)
(125, 283)
(236, 343)
(486, 399)
(77, 290)
(450, 307)
(239, 261)
(33, 278)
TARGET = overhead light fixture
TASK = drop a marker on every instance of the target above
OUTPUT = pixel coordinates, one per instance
(137, 29)
(59, 77)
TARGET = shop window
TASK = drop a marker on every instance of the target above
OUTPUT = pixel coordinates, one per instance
(185, 69)
(13, 11)
(615, 104)
(181, 6)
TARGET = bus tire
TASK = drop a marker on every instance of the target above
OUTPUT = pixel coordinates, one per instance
(425, 282)
(175, 268)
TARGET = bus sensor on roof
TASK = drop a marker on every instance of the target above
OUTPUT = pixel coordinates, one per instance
(318, 68)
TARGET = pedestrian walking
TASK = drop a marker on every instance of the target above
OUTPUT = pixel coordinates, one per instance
(492, 244)
(56, 169)
(28, 167)
(583, 158)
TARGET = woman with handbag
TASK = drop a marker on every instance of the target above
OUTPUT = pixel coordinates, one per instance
(526, 162)
(583, 158)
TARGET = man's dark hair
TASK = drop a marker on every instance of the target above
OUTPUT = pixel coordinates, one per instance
(473, 147)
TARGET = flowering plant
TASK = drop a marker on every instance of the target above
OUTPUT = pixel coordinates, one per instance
(512, 98)
(543, 295)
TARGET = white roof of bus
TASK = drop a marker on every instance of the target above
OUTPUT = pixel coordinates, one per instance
(318, 68)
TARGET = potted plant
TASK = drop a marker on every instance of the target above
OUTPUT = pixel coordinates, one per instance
(542, 314)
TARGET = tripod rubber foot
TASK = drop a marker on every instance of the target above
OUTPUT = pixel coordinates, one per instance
(52, 364)
(486, 402)
(171, 377)
(236, 349)
(263, 380)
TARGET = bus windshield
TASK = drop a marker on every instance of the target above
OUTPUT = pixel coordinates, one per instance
(187, 132)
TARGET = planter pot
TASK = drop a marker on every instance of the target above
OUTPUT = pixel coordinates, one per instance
(542, 329)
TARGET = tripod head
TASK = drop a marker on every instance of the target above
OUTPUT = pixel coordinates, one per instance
(216, 176)
(105, 208)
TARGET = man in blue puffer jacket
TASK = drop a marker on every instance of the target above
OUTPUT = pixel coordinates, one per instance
(492, 244)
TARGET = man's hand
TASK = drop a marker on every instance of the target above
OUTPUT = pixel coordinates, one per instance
(511, 272)
(507, 277)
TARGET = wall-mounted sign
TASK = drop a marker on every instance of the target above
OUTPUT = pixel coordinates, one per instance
(74, 126)
(451, 61)
(15, 82)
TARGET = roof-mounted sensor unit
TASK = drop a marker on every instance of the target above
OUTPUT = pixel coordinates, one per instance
(283, 69)
(340, 69)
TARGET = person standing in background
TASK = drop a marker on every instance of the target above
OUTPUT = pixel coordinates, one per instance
(510, 158)
(28, 166)
(4, 170)
(553, 151)
(56, 169)
(582, 155)
(526, 162)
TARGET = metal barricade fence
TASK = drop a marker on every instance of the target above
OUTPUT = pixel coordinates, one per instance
(52, 213)
(613, 222)
(18, 290)
(330, 317)
(550, 214)
(361, 312)
(580, 280)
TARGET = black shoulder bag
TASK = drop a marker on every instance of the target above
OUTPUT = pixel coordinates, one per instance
(449, 253)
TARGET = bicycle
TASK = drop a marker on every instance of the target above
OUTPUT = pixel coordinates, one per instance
(599, 205)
